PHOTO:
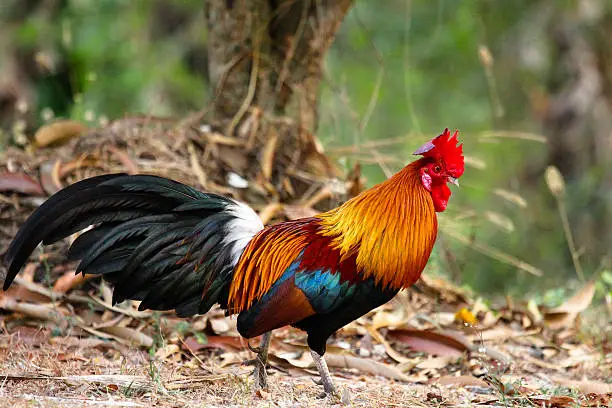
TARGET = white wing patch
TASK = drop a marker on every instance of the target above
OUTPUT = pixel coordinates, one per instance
(241, 229)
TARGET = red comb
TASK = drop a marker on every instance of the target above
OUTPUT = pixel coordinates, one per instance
(444, 147)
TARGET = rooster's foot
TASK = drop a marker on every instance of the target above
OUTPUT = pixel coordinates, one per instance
(259, 373)
(326, 380)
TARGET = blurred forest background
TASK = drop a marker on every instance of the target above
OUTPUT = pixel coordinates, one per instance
(527, 83)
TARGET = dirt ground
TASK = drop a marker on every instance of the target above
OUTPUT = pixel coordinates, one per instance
(39, 370)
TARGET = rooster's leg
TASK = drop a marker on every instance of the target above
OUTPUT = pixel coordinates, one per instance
(260, 376)
(326, 379)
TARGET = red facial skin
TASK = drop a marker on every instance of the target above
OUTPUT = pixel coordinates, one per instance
(435, 178)
(443, 163)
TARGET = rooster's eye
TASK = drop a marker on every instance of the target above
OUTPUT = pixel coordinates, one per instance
(436, 169)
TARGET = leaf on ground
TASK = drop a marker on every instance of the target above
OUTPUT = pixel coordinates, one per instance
(220, 324)
(128, 334)
(167, 351)
(436, 363)
(388, 348)
(20, 183)
(440, 343)
(296, 359)
(461, 381)
(228, 343)
(69, 281)
(366, 366)
(584, 386)
(384, 319)
(58, 132)
(563, 316)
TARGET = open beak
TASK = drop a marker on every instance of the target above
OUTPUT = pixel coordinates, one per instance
(453, 180)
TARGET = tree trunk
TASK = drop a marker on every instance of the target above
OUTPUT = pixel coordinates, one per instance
(265, 60)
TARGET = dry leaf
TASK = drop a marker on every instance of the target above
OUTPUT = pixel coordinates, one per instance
(435, 363)
(220, 325)
(166, 351)
(58, 132)
(69, 281)
(388, 349)
(263, 394)
(579, 302)
(229, 343)
(584, 386)
(564, 316)
(365, 366)
(462, 381)
(131, 335)
(20, 183)
(432, 342)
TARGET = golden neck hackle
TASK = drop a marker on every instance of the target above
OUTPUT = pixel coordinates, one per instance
(392, 227)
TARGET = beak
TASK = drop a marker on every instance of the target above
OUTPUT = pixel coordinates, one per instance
(453, 180)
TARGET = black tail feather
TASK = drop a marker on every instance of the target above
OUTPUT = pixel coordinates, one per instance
(156, 240)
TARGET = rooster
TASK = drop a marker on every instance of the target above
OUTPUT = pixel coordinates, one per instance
(172, 247)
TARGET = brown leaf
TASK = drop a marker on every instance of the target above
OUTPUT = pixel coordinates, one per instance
(263, 394)
(462, 381)
(584, 386)
(130, 335)
(579, 302)
(561, 401)
(58, 132)
(437, 343)
(220, 324)
(20, 183)
(229, 343)
(166, 351)
(391, 352)
(365, 366)
(435, 363)
(69, 280)
(385, 319)
(563, 316)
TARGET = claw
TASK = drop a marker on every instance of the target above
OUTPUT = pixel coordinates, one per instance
(255, 350)
(317, 381)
